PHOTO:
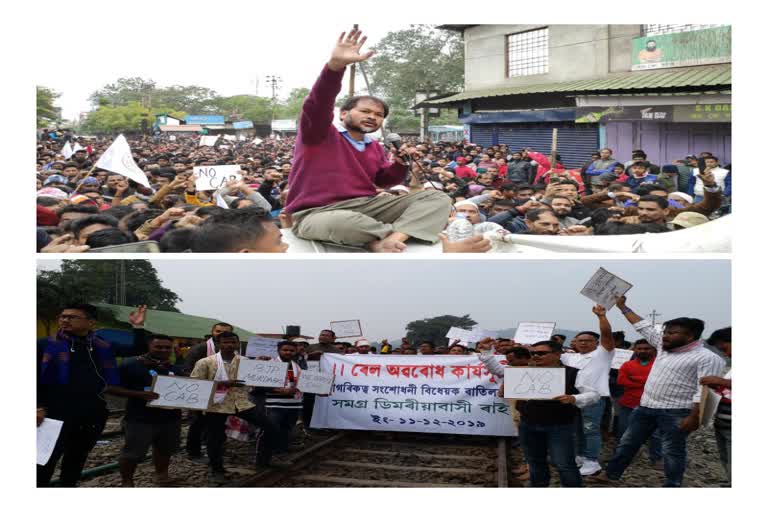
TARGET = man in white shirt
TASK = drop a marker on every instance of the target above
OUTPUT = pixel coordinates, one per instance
(712, 164)
(672, 393)
(594, 353)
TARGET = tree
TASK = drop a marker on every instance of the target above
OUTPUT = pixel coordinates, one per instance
(434, 329)
(47, 113)
(245, 106)
(291, 108)
(124, 118)
(92, 281)
(420, 58)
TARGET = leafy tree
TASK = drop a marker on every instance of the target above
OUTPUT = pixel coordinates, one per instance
(123, 92)
(192, 98)
(244, 106)
(125, 118)
(291, 108)
(421, 57)
(434, 329)
(92, 281)
(46, 111)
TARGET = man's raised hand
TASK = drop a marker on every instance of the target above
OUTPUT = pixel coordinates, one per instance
(137, 318)
(347, 50)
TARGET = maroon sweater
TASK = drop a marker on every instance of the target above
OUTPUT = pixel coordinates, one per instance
(326, 167)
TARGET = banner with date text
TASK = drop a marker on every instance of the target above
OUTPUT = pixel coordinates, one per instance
(439, 394)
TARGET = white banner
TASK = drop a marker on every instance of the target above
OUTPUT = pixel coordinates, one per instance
(47, 435)
(604, 288)
(117, 158)
(208, 140)
(620, 356)
(437, 394)
(262, 374)
(528, 333)
(347, 329)
(215, 177)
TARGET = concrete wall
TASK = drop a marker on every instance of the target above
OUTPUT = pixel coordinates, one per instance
(576, 52)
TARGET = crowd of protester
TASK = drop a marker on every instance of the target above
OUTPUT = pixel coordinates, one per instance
(80, 207)
(334, 182)
(655, 397)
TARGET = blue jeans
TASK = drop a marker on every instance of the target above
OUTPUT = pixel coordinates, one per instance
(557, 441)
(654, 443)
(642, 423)
(588, 435)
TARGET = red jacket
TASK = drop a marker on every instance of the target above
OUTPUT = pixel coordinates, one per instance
(632, 375)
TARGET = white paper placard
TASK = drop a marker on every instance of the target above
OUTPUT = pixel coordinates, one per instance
(604, 288)
(457, 333)
(528, 333)
(620, 356)
(47, 434)
(347, 328)
(313, 366)
(526, 383)
(208, 140)
(214, 177)
(261, 347)
(319, 383)
(262, 374)
(182, 393)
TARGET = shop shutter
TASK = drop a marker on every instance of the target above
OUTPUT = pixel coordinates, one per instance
(575, 142)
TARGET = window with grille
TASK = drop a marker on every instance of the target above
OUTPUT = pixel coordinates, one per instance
(655, 30)
(528, 53)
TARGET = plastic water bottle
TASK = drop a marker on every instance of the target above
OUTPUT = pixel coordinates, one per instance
(460, 228)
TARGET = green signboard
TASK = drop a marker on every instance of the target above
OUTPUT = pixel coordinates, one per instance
(694, 48)
(712, 113)
(718, 113)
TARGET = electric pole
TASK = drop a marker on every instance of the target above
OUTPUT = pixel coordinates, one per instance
(653, 316)
(274, 82)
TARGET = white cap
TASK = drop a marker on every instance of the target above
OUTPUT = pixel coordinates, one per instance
(400, 188)
(362, 343)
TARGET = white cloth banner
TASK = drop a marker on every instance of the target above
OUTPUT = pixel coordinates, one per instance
(117, 158)
(67, 151)
(435, 394)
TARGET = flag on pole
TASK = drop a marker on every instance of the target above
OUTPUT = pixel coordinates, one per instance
(117, 158)
(67, 151)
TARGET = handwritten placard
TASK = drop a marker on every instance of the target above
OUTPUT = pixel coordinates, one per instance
(319, 383)
(47, 434)
(620, 356)
(604, 288)
(261, 347)
(347, 328)
(182, 393)
(478, 334)
(313, 365)
(262, 374)
(527, 383)
(214, 177)
(209, 140)
(528, 333)
(457, 333)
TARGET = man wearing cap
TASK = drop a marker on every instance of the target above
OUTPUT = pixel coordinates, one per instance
(363, 346)
(688, 220)
(350, 212)
(472, 211)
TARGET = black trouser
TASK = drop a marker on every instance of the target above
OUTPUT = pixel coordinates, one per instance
(306, 409)
(195, 434)
(77, 439)
(276, 437)
(215, 423)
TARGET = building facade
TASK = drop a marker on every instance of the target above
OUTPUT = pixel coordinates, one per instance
(665, 89)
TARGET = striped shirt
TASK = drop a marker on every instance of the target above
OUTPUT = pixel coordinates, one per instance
(674, 379)
(279, 401)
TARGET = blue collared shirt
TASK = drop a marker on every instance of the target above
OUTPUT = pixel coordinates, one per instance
(357, 144)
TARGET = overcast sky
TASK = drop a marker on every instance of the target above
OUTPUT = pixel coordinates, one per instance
(221, 51)
(264, 296)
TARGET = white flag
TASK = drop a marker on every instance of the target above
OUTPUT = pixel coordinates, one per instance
(208, 140)
(257, 141)
(67, 151)
(117, 158)
(220, 202)
(77, 148)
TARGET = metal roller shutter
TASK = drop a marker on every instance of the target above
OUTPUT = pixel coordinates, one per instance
(575, 142)
(483, 134)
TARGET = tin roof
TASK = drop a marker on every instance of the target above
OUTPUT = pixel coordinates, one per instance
(699, 76)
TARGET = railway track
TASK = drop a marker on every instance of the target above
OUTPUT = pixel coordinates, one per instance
(374, 459)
